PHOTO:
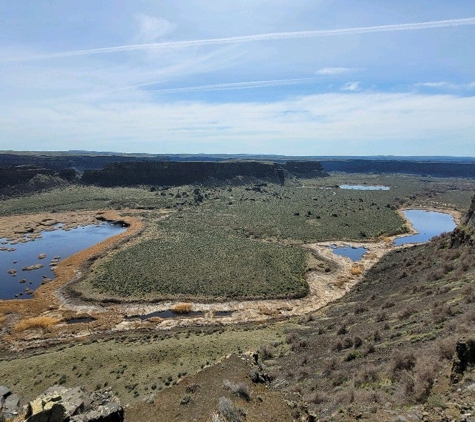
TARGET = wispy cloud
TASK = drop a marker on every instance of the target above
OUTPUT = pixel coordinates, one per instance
(357, 124)
(447, 85)
(238, 85)
(351, 86)
(257, 37)
(334, 70)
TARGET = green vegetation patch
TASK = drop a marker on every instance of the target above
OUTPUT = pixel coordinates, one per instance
(307, 214)
(191, 259)
(133, 365)
(75, 198)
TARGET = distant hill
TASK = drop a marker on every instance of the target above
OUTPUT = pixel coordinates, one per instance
(89, 160)
(435, 167)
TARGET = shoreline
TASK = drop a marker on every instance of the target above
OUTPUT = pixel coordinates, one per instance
(48, 300)
(44, 297)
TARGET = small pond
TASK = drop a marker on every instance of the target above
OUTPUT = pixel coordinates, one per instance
(364, 187)
(355, 254)
(25, 266)
(170, 314)
(428, 224)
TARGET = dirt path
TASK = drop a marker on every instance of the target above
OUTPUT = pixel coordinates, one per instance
(324, 287)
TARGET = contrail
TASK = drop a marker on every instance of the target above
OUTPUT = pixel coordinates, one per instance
(236, 85)
(258, 37)
(215, 87)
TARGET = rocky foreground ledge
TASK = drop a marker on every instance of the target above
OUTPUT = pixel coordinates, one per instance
(61, 404)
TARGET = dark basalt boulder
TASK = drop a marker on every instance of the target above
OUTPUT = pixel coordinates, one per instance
(61, 404)
(463, 358)
(9, 404)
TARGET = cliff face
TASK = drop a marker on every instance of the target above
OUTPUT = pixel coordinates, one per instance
(181, 173)
(305, 168)
(470, 221)
(465, 234)
(434, 168)
(13, 175)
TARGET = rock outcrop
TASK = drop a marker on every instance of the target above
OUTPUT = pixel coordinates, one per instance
(61, 404)
(470, 220)
(9, 404)
(464, 357)
(465, 233)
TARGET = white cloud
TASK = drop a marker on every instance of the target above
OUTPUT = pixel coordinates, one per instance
(325, 124)
(351, 86)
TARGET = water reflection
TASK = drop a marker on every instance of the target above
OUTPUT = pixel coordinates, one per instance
(364, 187)
(428, 224)
(26, 266)
(355, 254)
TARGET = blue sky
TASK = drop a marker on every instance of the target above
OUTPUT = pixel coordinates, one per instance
(294, 77)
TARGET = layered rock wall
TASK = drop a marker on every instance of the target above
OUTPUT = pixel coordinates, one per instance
(181, 173)
(470, 221)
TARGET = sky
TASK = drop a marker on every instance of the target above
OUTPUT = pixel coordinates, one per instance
(292, 77)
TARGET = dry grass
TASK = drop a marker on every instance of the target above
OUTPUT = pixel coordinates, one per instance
(182, 308)
(2, 319)
(356, 269)
(44, 322)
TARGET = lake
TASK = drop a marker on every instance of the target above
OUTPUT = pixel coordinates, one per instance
(428, 224)
(364, 187)
(19, 282)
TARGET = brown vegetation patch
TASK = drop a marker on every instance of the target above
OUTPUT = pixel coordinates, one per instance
(182, 308)
(44, 322)
(356, 269)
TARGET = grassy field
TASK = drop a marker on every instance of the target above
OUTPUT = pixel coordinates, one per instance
(190, 259)
(134, 365)
(240, 241)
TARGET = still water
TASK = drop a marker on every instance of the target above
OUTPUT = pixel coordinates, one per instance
(354, 254)
(428, 225)
(18, 283)
(364, 187)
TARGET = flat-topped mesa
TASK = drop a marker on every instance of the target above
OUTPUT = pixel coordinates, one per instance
(181, 173)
